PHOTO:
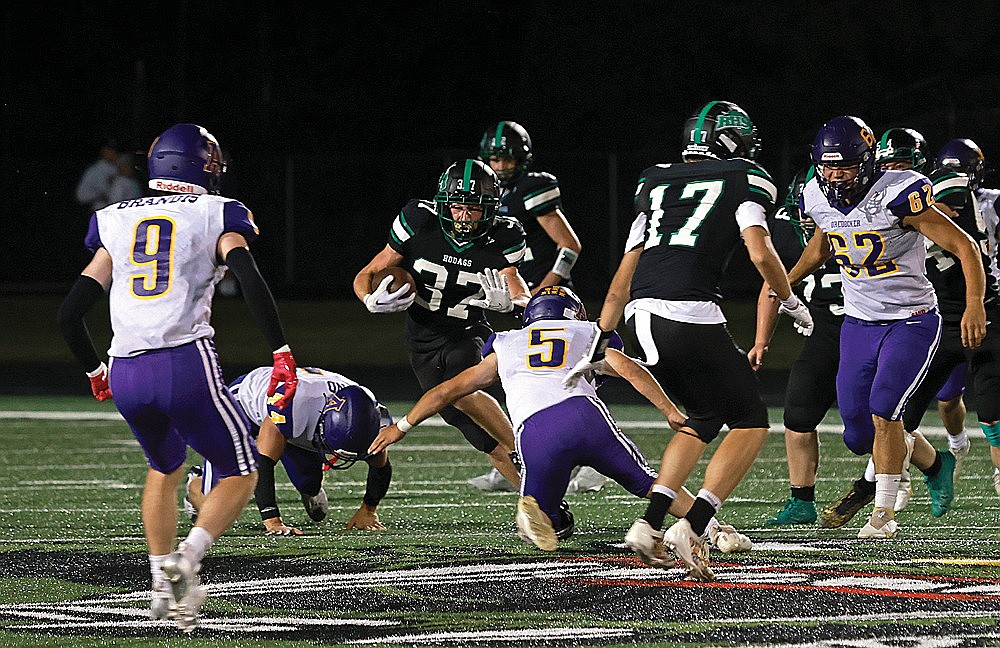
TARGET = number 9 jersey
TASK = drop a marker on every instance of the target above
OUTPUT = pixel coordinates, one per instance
(881, 261)
(164, 253)
(689, 221)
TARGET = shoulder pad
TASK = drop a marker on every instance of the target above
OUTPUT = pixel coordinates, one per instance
(540, 178)
(418, 213)
(508, 224)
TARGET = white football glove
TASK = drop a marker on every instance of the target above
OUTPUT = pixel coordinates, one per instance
(592, 363)
(383, 301)
(799, 312)
(496, 297)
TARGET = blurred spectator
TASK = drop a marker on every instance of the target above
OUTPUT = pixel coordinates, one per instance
(95, 183)
(124, 184)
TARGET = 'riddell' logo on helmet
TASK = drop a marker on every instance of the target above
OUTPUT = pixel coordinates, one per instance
(176, 187)
(736, 120)
(832, 157)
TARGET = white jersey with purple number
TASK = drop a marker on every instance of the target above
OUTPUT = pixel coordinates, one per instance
(881, 261)
(533, 361)
(165, 266)
(298, 424)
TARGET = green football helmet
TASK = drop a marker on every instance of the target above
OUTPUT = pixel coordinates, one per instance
(474, 185)
(720, 130)
(902, 145)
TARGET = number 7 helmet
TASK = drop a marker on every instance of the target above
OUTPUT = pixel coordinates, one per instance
(185, 158)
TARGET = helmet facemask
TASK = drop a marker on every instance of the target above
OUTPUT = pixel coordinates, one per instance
(473, 187)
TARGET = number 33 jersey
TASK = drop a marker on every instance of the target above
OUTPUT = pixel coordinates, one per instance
(688, 228)
(164, 253)
(446, 273)
(881, 261)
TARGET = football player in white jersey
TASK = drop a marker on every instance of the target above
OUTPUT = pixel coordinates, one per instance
(331, 415)
(160, 259)
(559, 429)
(873, 223)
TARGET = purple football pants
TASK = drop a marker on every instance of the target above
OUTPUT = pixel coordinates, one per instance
(881, 365)
(578, 431)
(955, 386)
(174, 398)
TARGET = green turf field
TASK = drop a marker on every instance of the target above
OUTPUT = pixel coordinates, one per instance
(450, 569)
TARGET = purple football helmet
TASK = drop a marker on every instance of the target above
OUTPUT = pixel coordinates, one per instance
(964, 156)
(843, 142)
(348, 424)
(554, 302)
(185, 158)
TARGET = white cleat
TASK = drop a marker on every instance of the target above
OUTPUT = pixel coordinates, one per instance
(647, 543)
(996, 480)
(960, 454)
(162, 601)
(534, 526)
(880, 525)
(904, 493)
(690, 550)
(186, 588)
(492, 481)
(317, 506)
(727, 539)
(586, 480)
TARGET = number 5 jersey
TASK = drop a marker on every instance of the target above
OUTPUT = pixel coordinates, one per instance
(164, 252)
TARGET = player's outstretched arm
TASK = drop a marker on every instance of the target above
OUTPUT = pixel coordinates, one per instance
(379, 478)
(767, 318)
(234, 252)
(644, 383)
(89, 287)
(936, 226)
(567, 243)
(436, 399)
(271, 445)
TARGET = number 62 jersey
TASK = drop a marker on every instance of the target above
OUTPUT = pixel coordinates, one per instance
(446, 273)
(164, 255)
(688, 222)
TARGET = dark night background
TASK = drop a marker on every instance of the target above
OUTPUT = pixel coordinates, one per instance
(334, 117)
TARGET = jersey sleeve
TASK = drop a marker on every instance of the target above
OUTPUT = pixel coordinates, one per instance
(636, 233)
(615, 342)
(763, 191)
(915, 197)
(93, 238)
(237, 218)
(411, 218)
(510, 236)
(488, 347)
(951, 188)
(541, 194)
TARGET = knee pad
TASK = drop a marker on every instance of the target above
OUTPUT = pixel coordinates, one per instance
(992, 432)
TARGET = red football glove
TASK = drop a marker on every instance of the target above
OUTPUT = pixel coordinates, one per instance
(283, 372)
(99, 382)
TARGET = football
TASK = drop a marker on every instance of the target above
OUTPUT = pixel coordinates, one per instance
(400, 278)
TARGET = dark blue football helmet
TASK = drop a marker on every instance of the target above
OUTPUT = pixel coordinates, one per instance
(964, 156)
(185, 158)
(507, 139)
(845, 141)
(348, 423)
(554, 302)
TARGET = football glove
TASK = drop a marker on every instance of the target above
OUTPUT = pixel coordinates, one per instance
(593, 362)
(383, 301)
(799, 312)
(496, 297)
(99, 382)
(283, 371)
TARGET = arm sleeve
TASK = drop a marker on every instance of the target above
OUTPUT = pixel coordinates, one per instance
(267, 501)
(81, 297)
(378, 483)
(257, 295)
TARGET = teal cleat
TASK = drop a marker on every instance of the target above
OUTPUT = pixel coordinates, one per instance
(796, 511)
(942, 485)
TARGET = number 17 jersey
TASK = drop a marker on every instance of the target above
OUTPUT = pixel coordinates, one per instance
(686, 224)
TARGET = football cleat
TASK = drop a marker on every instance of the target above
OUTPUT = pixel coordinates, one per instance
(880, 525)
(317, 506)
(186, 589)
(942, 485)
(162, 601)
(567, 523)
(960, 454)
(534, 526)
(904, 493)
(492, 481)
(189, 509)
(996, 480)
(855, 499)
(727, 539)
(586, 480)
(796, 511)
(647, 543)
(690, 550)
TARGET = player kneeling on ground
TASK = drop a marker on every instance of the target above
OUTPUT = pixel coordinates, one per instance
(558, 429)
(331, 415)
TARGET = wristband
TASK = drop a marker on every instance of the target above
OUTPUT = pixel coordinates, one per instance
(101, 368)
(283, 349)
(403, 425)
(791, 303)
(565, 259)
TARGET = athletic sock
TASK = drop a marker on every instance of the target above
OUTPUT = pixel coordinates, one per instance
(960, 440)
(935, 467)
(660, 500)
(805, 493)
(196, 544)
(699, 515)
(886, 487)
